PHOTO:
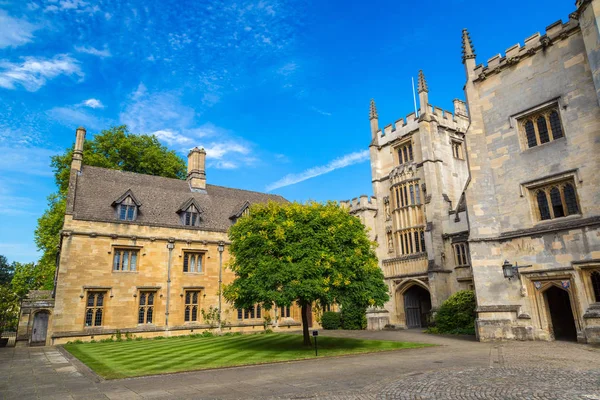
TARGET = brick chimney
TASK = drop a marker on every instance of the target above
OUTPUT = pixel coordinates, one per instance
(78, 150)
(196, 176)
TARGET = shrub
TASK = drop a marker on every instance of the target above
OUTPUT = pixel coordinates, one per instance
(331, 320)
(457, 314)
(354, 317)
(207, 334)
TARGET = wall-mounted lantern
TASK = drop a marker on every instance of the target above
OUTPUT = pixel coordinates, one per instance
(510, 271)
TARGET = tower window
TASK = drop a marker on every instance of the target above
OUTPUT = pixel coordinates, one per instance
(460, 255)
(405, 153)
(541, 127)
(556, 200)
(457, 150)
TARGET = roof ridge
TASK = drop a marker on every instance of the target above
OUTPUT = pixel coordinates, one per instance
(180, 180)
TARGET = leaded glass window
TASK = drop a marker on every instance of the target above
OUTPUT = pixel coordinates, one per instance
(191, 305)
(146, 308)
(541, 127)
(556, 200)
(94, 309)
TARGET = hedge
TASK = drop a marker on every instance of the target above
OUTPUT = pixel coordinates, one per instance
(331, 320)
(457, 314)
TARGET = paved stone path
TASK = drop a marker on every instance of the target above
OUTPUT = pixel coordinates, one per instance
(456, 369)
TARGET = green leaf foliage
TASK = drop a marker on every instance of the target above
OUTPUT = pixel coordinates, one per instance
(331, 320)
(6, 271)
(457, 314)
(9, 309)
(114, 148)
(30, 276)
(303, 253)
(354, 317)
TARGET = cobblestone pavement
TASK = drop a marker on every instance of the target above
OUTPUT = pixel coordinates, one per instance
(455, 369)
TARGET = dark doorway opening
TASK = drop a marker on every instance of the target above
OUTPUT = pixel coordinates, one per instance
(561, 314)
(417, 306)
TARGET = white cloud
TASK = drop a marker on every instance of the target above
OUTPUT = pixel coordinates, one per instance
(93, 103)
(36, 159)
(33, 73)
(78, 6)
(93, 51)
(175, 124)
(341, 162)
(13, 31)
(315, 109)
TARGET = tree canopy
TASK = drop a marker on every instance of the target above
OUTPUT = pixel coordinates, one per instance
(114, 148)
(286, 253)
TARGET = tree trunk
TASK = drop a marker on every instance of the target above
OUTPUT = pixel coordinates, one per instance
(305, 332)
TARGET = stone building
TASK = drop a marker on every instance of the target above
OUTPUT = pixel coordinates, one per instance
(142, 254)
(35, 313)
(533, 196)
(417, 216)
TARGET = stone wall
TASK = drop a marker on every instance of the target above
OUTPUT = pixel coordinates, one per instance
(547, 70)
(86, 264)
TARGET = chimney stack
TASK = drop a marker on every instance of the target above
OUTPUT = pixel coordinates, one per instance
(78, 150)
(196, 170)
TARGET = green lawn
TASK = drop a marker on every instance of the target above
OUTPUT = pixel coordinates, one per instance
(125, 359)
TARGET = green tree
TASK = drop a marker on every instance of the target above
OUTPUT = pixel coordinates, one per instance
(286, 253)
(29, 276)
(114, 148)
(9, 309)
(6, 271)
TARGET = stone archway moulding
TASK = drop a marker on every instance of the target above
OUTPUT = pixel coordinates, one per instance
(406, 284)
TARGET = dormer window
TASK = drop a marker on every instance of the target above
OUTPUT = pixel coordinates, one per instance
(241, 210)
(190, 213)
(127, 210)
(127, 207)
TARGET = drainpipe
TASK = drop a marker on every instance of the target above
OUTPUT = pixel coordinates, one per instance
(170, 246)
(221, 247)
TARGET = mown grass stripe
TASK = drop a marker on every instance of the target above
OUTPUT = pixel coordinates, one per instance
(136, 358)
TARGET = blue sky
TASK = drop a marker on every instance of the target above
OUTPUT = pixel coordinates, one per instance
(276, 91)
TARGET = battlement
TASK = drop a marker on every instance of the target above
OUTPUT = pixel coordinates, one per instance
(452, 120)
(361, 203)
(531, 45)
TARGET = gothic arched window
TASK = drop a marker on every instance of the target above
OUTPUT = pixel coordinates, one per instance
(571, 199)
(543, 130)
(557, 204)
(555, 125)
(530, 133)
(541, 127)
(542, 202)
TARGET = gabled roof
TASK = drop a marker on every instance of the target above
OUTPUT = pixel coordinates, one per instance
(96, 189)
(186, 204)
(128, 193)
(239, 210)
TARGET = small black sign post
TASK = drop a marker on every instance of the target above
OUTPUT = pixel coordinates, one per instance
(315, 334)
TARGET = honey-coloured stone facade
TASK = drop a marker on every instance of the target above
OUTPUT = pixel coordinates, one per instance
(552, 295)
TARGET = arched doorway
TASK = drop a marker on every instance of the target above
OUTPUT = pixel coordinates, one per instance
(40, 328)
(417, 305)
(561, 314)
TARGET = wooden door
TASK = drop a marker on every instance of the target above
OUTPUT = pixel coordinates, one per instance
(412, 310)
(40, 328)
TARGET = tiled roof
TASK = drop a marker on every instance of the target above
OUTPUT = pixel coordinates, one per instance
(161, 198)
